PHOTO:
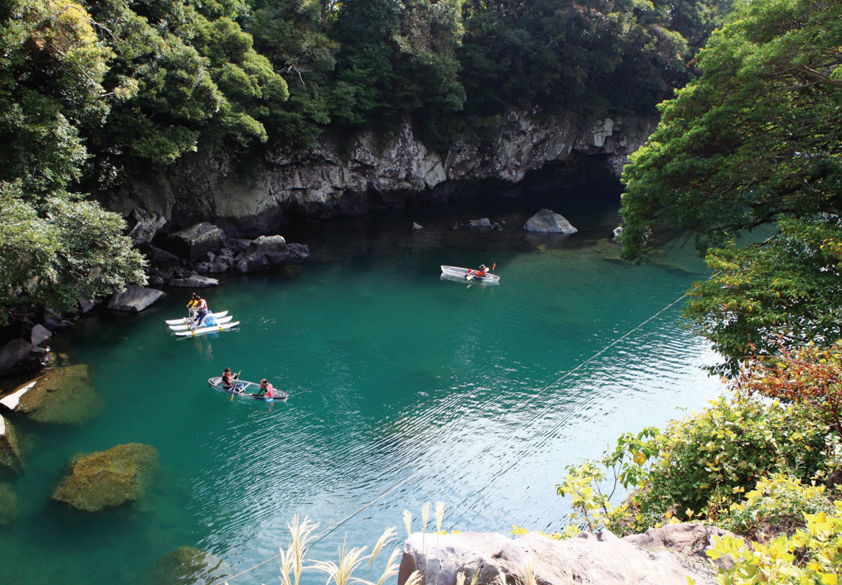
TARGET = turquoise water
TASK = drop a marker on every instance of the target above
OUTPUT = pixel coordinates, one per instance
(404, 388)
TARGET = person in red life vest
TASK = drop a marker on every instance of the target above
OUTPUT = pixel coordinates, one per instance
(483, 270)
(266, 389)
(228, 380)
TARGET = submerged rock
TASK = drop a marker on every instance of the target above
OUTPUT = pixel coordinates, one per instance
(135, 298)
(11, 458)
(108, 478)
(482, 225)
(549, 222)
(62, 396)
(589, 558)
(19, 356)
(8, 504)
(185, 566)
(417, 226)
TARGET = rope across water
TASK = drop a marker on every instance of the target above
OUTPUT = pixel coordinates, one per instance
(332, 528)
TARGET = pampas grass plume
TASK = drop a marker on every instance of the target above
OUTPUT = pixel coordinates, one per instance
(439, 515)
(407, 521)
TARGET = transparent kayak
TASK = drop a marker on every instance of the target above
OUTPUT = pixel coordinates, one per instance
(468, 274)
(246, 390)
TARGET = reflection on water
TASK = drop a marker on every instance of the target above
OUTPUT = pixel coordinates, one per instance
(403, 389)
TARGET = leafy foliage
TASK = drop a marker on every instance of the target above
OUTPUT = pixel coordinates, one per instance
(811, 555)
(699, 465)
(754, 141)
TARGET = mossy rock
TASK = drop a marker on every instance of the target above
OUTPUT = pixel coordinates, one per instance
(108, 478)
(8, 504)
(185, 566)
(11, 457)
(61, 396)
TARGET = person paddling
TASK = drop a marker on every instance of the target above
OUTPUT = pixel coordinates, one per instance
(202, 310)
(483, 270)
(228, 380)
(266, 389)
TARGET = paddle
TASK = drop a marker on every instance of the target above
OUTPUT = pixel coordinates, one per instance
(234, 387)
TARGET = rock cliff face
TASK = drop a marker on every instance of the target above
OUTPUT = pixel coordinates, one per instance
(350, 175)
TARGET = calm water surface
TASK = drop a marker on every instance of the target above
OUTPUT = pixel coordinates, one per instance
(403, 389)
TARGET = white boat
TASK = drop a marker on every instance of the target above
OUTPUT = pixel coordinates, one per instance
(186, 320)
(206, 330)
(468, 274)
(185, 327)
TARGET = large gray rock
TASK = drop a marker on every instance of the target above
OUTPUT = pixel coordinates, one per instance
(135, 298)
(549, 222)
(162, 258)
(39, 334)
(11, 457)
(298, 252)
(85, 305)
(265, 251)
(146, 225)
(194, 281)
(109, 478)
(197, 240)
(600, 559)
(61, 396)
(19, 356)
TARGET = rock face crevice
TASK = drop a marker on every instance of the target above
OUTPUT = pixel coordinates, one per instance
(352, 174)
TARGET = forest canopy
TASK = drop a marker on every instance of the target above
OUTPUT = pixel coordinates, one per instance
(755, 141)
(91, 90)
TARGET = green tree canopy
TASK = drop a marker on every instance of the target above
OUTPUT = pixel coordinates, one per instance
(755, 140)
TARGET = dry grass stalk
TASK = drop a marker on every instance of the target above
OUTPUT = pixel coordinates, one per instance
(287, 557)
(460, 578)
(527, 571)
(475, 578)
(301, 532)
(407, 521)
(391, 569)
(414, 579)
(341, 573)
(439, 515)
(385, 538)
(425, 516)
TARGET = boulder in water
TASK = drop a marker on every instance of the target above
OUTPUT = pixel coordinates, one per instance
(19, 356)
(108, 478)
(185, 566)
(481, 225)
(417, 226)
(195, 241)
(549, 222)
(8, 504)
(11, 458)
(194, 281)
(135, 298)
(61, 396)
(264, 251)
(298, 252)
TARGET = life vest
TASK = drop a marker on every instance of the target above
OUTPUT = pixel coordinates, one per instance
(227, 381)
(270, 392)
(202, 305)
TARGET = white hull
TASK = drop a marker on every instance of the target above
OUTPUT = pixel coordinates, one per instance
(463, 274)
(184, 320)
(206, 330)
(219, 320)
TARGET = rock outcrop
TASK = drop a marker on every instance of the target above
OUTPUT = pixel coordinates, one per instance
(19, 356)
(194, 281)
(664, 556)
(62, 396)
(108, 478)
(549, 222)
(197, 240)
(39, 334)
(11, 458)
(349, 175)
(135, 298)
